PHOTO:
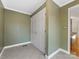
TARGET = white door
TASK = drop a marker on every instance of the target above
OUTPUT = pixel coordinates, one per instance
(38, 30)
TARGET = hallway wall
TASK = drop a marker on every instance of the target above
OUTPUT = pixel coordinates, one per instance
(64, 23)
(1, 25)
(53, 26)
(16, 27)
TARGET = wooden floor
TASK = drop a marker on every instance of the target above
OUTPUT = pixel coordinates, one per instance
(75, 47)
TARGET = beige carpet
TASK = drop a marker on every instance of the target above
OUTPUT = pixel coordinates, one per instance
(62, 55)
(26, 52)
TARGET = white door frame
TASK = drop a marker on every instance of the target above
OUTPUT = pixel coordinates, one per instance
(69, 30)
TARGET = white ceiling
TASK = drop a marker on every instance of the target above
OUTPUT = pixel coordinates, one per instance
(23, 6)
(61, 3)
(29, 6)
(75, 11)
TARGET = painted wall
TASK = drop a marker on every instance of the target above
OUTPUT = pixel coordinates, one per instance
(16, 28)
(53, 26)
(64, 23)
(1, 25)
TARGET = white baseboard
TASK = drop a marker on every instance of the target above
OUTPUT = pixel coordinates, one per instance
(54, 53)
(60, 49)
(64, 51)
(15, 45)
(67, 52)
(46, 57)
(1, 52)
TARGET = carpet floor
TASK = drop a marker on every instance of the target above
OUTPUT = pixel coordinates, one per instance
(62, 55)
(22, 52)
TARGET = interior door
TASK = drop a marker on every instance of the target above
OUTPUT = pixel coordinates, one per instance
(38, 30)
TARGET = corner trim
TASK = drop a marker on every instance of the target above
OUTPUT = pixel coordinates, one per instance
(39, 9)
(15, 45)
(1, 52)
(54, 53)
(67, 52)
(64, 51)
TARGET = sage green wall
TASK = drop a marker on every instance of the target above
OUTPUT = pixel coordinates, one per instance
(64, 23)
(16, 28)
(53, 26)
(1, 25)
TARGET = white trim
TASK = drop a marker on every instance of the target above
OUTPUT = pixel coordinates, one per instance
(63, 4)
(69, 30)
(53, 54)
(15, 45)
(1, 52)
(62, 50)
(67, 3)
(38, 5)
(18, 11)
(67, 52)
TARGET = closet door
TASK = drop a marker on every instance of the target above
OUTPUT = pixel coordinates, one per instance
(38, 30)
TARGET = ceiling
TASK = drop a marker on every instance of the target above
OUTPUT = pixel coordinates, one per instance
(29, 6)
(75, 11)
(61, 3)
(23, 6)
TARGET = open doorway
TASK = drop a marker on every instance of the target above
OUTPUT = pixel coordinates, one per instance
(73, 30)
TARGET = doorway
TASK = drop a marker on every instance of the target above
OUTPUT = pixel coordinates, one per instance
(73, 30)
